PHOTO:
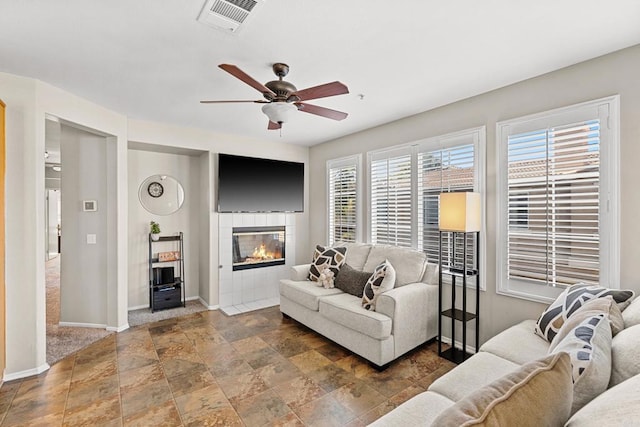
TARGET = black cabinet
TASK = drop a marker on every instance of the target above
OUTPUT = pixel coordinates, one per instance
(456, 267)
(166, 272)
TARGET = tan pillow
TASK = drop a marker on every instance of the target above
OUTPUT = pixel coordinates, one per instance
(591, 308)
(631, 314)
(538, 393)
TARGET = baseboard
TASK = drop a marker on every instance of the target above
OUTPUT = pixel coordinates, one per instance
(118, 328)
(82, 325)
(138, 307)
(470, 349)
(209, 307)
(27, 373)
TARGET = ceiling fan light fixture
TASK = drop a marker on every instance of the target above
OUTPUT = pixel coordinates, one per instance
(278, 112)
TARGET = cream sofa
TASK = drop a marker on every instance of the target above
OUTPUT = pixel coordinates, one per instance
(405, 317)
(619, 405)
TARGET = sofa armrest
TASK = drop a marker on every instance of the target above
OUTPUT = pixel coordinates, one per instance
(414, 310)
(299, 272)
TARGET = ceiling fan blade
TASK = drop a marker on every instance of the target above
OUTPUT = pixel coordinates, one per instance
(260, 101)
(322, 91)
(321, 111)
(273, 126)
(239, 74)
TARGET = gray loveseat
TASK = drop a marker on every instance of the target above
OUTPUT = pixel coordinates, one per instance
(405, 317)
(618, 405)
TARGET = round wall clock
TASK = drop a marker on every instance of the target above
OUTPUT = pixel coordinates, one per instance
(155, 189)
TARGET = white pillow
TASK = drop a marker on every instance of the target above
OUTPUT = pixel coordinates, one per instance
(382, 279)
(625, 357)
(631, 314)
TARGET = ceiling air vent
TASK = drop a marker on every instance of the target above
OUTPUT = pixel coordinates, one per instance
(228, 15)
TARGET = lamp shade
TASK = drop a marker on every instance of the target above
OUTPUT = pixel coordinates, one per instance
(460, 212)
(279, 112)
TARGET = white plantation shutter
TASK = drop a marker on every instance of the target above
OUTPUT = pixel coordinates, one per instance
(391, 200)
(449, 169)
(558, 200)
(554, 205)
(342, 201)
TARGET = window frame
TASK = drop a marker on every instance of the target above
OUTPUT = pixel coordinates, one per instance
(354, 160)
(607, 111)
(476, 136)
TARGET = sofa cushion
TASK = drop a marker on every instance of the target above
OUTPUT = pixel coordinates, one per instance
(420, 410)
(430, 275)
(616, 407)
(477, 371)
(536, 394)
(589, 345)
(346, 310)
(570, 300)
(305, 293)
(351, 281)
(357, 253)
(331, 258)
(408, 263)
(591, 308)
(625, 355)
(382, 279)
(518, 344)
(631, 314)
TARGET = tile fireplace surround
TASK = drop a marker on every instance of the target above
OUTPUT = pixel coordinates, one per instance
(253, 289)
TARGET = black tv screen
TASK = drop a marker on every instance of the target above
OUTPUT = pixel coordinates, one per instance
(249, 184)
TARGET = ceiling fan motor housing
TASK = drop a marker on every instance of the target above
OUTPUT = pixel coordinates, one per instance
(282, 89)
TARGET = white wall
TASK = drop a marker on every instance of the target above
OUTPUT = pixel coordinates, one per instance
(198, 139)
(616, 73)
(206, 267)
(186, 169)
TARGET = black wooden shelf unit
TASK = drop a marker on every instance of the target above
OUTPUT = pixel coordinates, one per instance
(453, 353)
(166, 277)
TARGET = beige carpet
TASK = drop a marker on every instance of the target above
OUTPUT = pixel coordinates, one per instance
(144, 315)
(63, 340)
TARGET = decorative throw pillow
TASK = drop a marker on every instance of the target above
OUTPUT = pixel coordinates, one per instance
(570, 300)
(538, 393)
(331, 258)
(591, 308)
(382, 279)
(326, 278)
(351, 280)
(589, 345)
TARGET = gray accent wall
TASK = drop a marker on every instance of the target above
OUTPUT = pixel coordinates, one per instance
(616, 73)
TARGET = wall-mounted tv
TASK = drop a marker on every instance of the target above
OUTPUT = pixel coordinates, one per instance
(249, 184)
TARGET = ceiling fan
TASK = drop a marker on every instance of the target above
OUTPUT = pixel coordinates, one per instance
(282, 97)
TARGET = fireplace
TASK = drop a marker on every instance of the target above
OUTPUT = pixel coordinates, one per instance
(256, 247)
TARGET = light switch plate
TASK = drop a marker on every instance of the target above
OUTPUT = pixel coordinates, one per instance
(91, 239)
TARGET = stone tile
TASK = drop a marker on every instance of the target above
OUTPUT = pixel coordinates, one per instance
(22, 412)
(278, 372)
(331, 377)
(357, 366)
(236, 333)
(263, 357)
(313, 339)
(176, 367)
(249, 345)
(98, 412)
(164, 414)
(231, 367)
(289, 420)
(309, 360)
(174, 339)
(386, 383)
(290, 346)
(84, 392)
(358, 397)
(203, 400)
(241, 386)
(223, 417)
(95, 371)
(142, 397)
(325, 411)
(390, 404)
(262, 408)
(126, 363)
(333, 351)
(53, 419)
(141, 376)
(299, 391)
(428, 379)
(190, 381)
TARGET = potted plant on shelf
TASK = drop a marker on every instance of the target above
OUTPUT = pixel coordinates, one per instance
(155, 230)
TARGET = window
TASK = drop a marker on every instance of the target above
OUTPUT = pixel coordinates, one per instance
(342, 177)
(558, 193)
(405, 183)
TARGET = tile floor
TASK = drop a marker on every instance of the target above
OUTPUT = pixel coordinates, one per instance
(209, 369)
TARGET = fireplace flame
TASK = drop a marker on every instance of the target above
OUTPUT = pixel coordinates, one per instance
(261, 253)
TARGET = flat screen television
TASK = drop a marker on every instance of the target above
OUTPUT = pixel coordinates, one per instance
(249, 184)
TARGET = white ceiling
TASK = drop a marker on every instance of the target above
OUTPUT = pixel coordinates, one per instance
(152, 60)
